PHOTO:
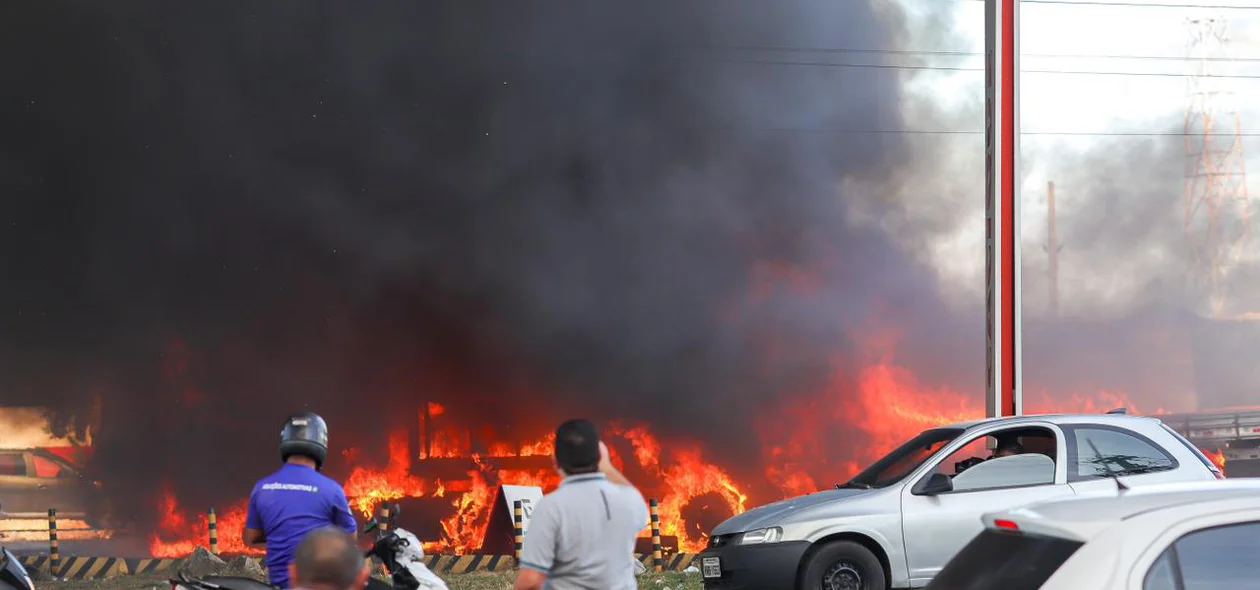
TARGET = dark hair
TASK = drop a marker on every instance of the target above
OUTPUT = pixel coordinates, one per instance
(1011, 446)
(305, 435)
(577, 447)
(328, 558)
(581, 469)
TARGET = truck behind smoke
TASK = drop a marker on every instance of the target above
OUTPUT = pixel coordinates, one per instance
(1232, 435)
(1227, 423)
(1221, 378)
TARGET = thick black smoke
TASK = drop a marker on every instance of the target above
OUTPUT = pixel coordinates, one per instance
(220, 213)
(1136, 318)
(1131, 317)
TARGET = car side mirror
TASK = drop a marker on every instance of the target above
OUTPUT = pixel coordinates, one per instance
(938, 483)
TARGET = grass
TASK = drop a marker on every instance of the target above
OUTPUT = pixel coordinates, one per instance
(478, 581)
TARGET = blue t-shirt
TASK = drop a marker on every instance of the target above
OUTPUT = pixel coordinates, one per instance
(290, 503)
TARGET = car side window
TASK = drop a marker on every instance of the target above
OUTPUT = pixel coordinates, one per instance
(1162, 575)
(46, 468)
(12, 464)
(1005, 459)
(1101, 452)
(1030, 469)
(1209, 559)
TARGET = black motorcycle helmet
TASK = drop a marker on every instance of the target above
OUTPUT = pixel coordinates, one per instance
(305, 434)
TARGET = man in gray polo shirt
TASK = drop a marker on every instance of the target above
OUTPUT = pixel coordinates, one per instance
(582, 535)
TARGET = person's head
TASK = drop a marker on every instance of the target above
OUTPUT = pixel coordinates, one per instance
(328, 559)
(1008, 449)
(577, 447)
(304, 439)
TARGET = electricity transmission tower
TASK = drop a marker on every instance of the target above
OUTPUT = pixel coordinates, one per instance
(1217, 206)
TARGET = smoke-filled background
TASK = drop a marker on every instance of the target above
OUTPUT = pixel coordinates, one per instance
(218, 214)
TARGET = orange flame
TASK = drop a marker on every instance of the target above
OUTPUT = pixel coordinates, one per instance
(175, 536)
(689, 478)
(686, 478)
(854, 420)
(464, 529)
(890, 404)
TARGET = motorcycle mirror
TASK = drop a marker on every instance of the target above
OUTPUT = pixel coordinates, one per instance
(371, 525)
(396, 510)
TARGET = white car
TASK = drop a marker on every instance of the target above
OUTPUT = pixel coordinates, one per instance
(896, 524)
(1188, 536)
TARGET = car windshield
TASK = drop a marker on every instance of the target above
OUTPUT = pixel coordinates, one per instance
(898, 464)
(1000, 560)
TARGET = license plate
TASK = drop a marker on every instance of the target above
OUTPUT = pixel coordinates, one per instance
(711, 567)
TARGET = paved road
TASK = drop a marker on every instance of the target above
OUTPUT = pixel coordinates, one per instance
(116, 547)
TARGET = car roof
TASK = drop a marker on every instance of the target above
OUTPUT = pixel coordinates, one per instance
(1116, 419)
(32, 450)
(46, 454)
(1084, 517)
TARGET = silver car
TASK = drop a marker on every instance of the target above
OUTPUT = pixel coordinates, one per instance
(897, 523)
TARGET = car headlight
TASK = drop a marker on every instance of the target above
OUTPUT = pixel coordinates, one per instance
(770, 535)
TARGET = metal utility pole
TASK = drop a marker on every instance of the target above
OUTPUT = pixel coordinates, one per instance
(1004, 395)
(1052, 248)
(1217, 206)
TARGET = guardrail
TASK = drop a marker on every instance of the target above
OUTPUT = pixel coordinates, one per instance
(40, 515)
(77, 567)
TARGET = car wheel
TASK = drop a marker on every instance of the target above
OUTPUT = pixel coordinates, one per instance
(98, 514)
(96, 521)
(843, 565)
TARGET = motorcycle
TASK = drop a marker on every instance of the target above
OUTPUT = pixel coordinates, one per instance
(399, 550)
(403, 556)
(215, 582)
(13, 575)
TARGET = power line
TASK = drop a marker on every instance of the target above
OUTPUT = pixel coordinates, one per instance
(971, 69)
(1136, 4)
(956, 53)
(824, 130)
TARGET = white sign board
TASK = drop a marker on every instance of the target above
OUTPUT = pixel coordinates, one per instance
(529, 497)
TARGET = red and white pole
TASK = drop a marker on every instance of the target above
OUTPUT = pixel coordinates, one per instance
(1005, 392)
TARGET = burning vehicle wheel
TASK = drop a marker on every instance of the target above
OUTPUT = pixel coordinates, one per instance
(843, 565)
(99, 513)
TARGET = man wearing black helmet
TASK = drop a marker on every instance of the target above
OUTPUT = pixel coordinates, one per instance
(297, 499)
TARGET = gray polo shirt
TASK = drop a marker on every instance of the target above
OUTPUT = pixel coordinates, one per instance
(582, 535)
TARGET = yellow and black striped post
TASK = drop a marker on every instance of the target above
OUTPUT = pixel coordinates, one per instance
(518, 530)
(383, 529)
(655, 511)
(212, 522)
(54, 548)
